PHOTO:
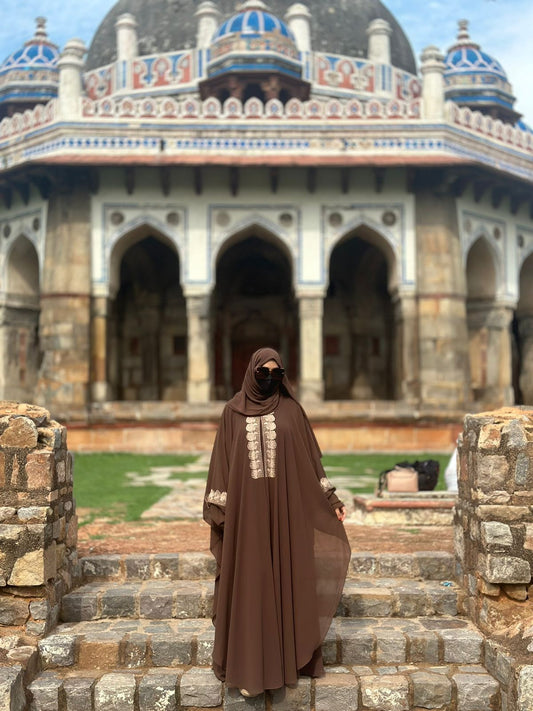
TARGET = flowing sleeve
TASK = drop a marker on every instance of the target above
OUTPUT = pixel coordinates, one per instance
(326, 485)
(216, 491)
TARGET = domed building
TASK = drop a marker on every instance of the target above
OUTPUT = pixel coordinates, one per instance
(205, 179)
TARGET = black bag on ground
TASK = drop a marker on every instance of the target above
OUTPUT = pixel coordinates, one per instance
(428, 473)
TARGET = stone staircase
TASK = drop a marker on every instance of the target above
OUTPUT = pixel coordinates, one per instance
(137, 636)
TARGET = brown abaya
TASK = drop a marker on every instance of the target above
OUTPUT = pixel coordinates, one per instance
(281, 552)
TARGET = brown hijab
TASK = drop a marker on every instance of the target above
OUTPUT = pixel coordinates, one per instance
(250, 401)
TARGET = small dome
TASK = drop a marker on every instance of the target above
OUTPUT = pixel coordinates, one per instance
(474, 78)
(254, 40)
(31, 73)
(253, 20)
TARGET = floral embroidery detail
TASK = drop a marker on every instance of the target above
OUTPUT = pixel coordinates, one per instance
(326, 484)
(217, 497)
(262, 445)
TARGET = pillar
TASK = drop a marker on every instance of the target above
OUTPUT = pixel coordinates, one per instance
(64, 376)
(441, 298)
(208, 18)
(39, 529)
(70, 90)
(100, 389)
(127, 45)
(311, 310)
(198, 349)
(379, 33)
(432, 69)
(525, 332)
(406, 375)
(298, 19)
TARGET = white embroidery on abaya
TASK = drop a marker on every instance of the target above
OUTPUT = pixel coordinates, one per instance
(217, 497)
(262, 445)
(326, 484)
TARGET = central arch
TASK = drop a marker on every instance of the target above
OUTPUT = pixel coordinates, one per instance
(253, 305)
(359, 331)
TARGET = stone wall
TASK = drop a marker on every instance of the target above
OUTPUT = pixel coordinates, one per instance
(494, 541)
(38, 524)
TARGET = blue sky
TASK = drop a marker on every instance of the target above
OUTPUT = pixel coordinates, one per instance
(501, 27)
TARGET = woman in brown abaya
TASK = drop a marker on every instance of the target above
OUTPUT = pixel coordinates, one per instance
(276, 534)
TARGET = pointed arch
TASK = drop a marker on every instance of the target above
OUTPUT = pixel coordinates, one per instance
(359, 338)
(483, 269)
(22, 270)
(253, 302)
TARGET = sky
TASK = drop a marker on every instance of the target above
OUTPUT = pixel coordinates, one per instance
(501, 27)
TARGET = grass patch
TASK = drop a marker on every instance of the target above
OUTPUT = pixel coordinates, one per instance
(103, 489)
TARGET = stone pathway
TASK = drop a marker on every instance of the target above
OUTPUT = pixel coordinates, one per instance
(185, 500)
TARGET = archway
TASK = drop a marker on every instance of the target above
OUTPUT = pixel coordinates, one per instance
(359, 332)
(21, 343)
(523, 331)
(253, 306)
(489, 336)
(148, 322)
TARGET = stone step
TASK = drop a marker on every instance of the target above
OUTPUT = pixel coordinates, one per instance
(427, 565)
(343, 688)
(136, 644)
(183, 599)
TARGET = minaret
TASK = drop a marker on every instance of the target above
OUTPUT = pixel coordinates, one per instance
(432, 69)
(298, 19)
(208, 20)
(379, 33)
(71, 66)
(127, 45)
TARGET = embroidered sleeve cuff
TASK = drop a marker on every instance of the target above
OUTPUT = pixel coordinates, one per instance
(217, 497)
(326, 484)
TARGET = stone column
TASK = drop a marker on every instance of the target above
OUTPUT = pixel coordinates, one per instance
(490, 354)
(198, 348)
(494, 539)
(442, 325)
(379, 33)
(406, 357)
(39, 529)
(127, 45)
(525, 331)
(311, 350)
(99, 350)
(70, 90)
(432, 69)
(208, 18)
(298, 19)
(64, 375)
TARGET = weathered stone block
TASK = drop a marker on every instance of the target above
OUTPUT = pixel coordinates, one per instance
(20, 433)
(79, 605)
(431, 691)
(58, 650)
(363, 563)
(165, 566)
(200, 688)
(476, 692)
(6, 512)
(516, 434)
(522, 471)
(13, 610)
(390, 647)
(234, 701)
(462, 646)
(493, 472)
(135, 651)
(97, 651)
(115, 692)
(398, 565)
(525, 689)
(357, 646)
(505, 569)
(496, 536)
(12, 696)
(101, 567)
(337, 692)
(361, 601)
(423, 647)
(137, 567)
(119, 602)
(297, 698)
(155, 601)
(79, 694)
(490, 438)
(158, 691)
(206, 642)
(435, 565)
(385, 693)
(169, 650)
(516, 592)
(194, 566)
(45, 692)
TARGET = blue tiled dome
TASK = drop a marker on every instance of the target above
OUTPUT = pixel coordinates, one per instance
(31, 73)
(254, 40)
(474, 78)
(253, 21)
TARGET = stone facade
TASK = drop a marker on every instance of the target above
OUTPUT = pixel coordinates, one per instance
(38, 524)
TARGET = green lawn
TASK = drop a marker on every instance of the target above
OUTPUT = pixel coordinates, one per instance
(103, 488)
